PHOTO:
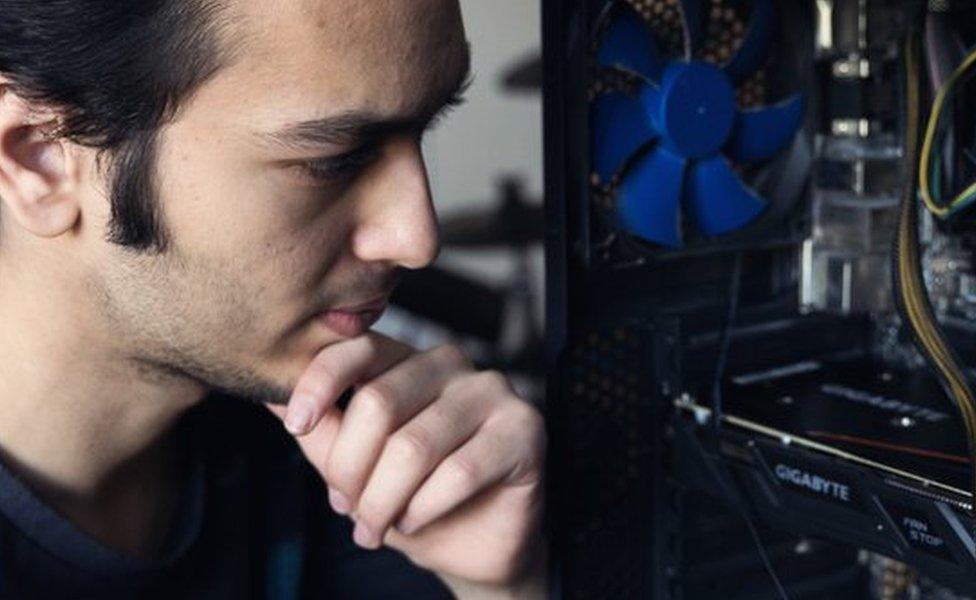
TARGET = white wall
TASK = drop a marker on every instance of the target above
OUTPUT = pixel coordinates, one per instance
(494, 132)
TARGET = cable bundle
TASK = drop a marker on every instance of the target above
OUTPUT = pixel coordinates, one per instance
(910, 289)
(930, 174)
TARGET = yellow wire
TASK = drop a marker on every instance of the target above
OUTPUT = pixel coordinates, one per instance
(909, 277)
(915, 289)
(912, 289)
(930, 132)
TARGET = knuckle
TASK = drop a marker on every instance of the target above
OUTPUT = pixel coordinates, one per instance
(526, 417)
(450, 354)
(528, 426)
(378, 399)
(492, 381)
(371, 512)
(340, 474)
(410, 446)
(464, 470)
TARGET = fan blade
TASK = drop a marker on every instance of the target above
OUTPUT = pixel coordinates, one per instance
(619, 126)
(649, 198)
(762, 132)
(717, 200)
(694, 26)
(753, 49)
(628, 44)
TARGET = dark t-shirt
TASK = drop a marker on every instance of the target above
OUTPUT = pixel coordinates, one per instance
(253, 522)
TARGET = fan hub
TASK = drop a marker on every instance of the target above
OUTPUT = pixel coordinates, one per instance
(697, 108)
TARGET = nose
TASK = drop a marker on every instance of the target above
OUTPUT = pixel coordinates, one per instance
(397, 222)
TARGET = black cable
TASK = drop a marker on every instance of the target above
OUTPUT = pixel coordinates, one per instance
(764, 556)
(725, 341)
(907, 250)
(743, 511)
(721, 362)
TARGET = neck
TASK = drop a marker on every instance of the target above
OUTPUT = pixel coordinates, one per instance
(80, 421)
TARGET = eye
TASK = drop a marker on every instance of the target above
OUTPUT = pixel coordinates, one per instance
(340, 168)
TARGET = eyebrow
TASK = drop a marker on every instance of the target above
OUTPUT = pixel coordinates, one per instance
(354, 127)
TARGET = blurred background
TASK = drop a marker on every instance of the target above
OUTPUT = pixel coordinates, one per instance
(485, 162)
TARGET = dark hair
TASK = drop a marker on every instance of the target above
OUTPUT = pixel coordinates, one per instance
(115, 72)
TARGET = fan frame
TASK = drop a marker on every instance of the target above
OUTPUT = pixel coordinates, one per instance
(785, 222)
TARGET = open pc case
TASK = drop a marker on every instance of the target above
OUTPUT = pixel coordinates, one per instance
(761, 297)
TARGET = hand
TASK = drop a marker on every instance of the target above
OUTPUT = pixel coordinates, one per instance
(432, 458)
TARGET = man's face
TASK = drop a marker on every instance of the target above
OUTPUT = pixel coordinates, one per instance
(290, 183)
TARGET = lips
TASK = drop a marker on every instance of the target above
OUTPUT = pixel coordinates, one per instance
(355, 320)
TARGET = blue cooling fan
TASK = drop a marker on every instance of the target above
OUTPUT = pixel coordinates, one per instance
(685, 115)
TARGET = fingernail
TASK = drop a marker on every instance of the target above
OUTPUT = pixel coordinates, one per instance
(339, 502)
(298, 419)
(364, 537)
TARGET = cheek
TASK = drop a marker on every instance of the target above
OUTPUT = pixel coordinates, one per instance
(224, 206)
(193, 302)
(230, 208)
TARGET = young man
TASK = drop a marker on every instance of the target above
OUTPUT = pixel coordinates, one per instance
(205, 205)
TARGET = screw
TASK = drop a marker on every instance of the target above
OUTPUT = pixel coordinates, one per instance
(903, 422)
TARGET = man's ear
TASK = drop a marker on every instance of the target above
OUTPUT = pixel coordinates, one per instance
(37, 176)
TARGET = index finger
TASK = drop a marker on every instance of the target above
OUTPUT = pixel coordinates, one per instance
(334, 370)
